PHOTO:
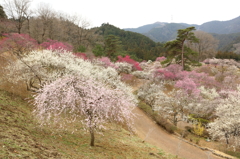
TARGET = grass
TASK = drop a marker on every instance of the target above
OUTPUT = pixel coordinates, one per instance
(21, 137)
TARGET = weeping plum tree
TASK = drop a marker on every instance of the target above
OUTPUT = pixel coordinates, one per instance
(78, 98)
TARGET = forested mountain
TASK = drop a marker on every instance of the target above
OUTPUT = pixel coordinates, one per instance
(222, 27)
(146, 28)
(134, 44)
(226, 41)
(168, 31)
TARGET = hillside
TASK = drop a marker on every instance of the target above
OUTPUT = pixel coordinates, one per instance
(134, 44)
(226, 41)
(21, 137)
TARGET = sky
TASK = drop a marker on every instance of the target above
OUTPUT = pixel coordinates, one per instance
(135, 13)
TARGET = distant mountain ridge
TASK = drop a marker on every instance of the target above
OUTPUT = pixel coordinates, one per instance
(163, 31)
(222, 27)
(146, 28)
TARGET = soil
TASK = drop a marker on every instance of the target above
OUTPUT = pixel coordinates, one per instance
(150, 132)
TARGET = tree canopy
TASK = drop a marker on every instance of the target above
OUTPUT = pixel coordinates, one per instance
(179, 51)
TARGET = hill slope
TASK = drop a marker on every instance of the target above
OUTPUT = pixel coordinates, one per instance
(20, 137)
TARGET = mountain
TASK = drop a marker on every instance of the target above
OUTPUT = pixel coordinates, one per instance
(222, 27)
(146, 28)
(165, 33)
(162, 31)
(226, 41)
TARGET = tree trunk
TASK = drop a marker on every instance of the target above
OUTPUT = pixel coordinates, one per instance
(175, 120)
(226, 136)
(91, 130)
(182, 56)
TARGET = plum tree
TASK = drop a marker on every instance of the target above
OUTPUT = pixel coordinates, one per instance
(77, 98)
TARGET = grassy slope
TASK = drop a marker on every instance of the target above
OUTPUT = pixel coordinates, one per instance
(20, 137)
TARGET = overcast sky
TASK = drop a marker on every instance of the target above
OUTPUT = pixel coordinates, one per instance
(135, 13)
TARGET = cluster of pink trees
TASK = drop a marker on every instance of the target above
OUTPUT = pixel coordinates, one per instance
(20, 44)
(17, 44)
(56, 45)
(127, 59)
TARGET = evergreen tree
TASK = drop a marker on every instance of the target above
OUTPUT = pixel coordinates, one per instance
(112, 46)
(179, 51)
(2, 13)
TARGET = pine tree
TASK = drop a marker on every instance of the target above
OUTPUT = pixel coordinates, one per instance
(2, 13)
(179, 51)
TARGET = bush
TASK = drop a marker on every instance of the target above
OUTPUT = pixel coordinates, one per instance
(169, 127)
(146, 108)
(188, 128)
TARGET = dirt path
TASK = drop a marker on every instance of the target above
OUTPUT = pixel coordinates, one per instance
(147, 130)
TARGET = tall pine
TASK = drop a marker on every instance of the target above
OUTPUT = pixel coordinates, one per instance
(178, 51)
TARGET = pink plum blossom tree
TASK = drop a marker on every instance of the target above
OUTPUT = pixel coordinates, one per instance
(56, 45)
(81, 55)
(127, 59)
(78, 98)
(17, 44)
(107, 62)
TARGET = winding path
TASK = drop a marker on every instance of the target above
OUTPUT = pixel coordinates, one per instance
(150, 132)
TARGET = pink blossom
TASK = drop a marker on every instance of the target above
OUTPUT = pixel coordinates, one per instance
(81, 55)
(160, 59)
(17, 43)
(56, 45)
(127, 59)
(107, 62)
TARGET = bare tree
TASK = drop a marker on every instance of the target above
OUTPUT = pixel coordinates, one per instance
(206, 47)
(18, 10)
(83, 33)
(45, 15)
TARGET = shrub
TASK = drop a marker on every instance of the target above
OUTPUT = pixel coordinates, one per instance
(169, 127)
(188, 128)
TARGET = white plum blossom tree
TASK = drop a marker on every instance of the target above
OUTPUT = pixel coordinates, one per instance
(205, 104)
(172, 105)
(68, 87)
(227, 124)
(149, 92)
(39, 67)
(74, 98)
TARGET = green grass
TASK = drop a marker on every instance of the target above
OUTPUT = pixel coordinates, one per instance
(232, 153)
(21, 137)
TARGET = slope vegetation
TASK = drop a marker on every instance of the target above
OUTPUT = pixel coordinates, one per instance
(20, 137)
